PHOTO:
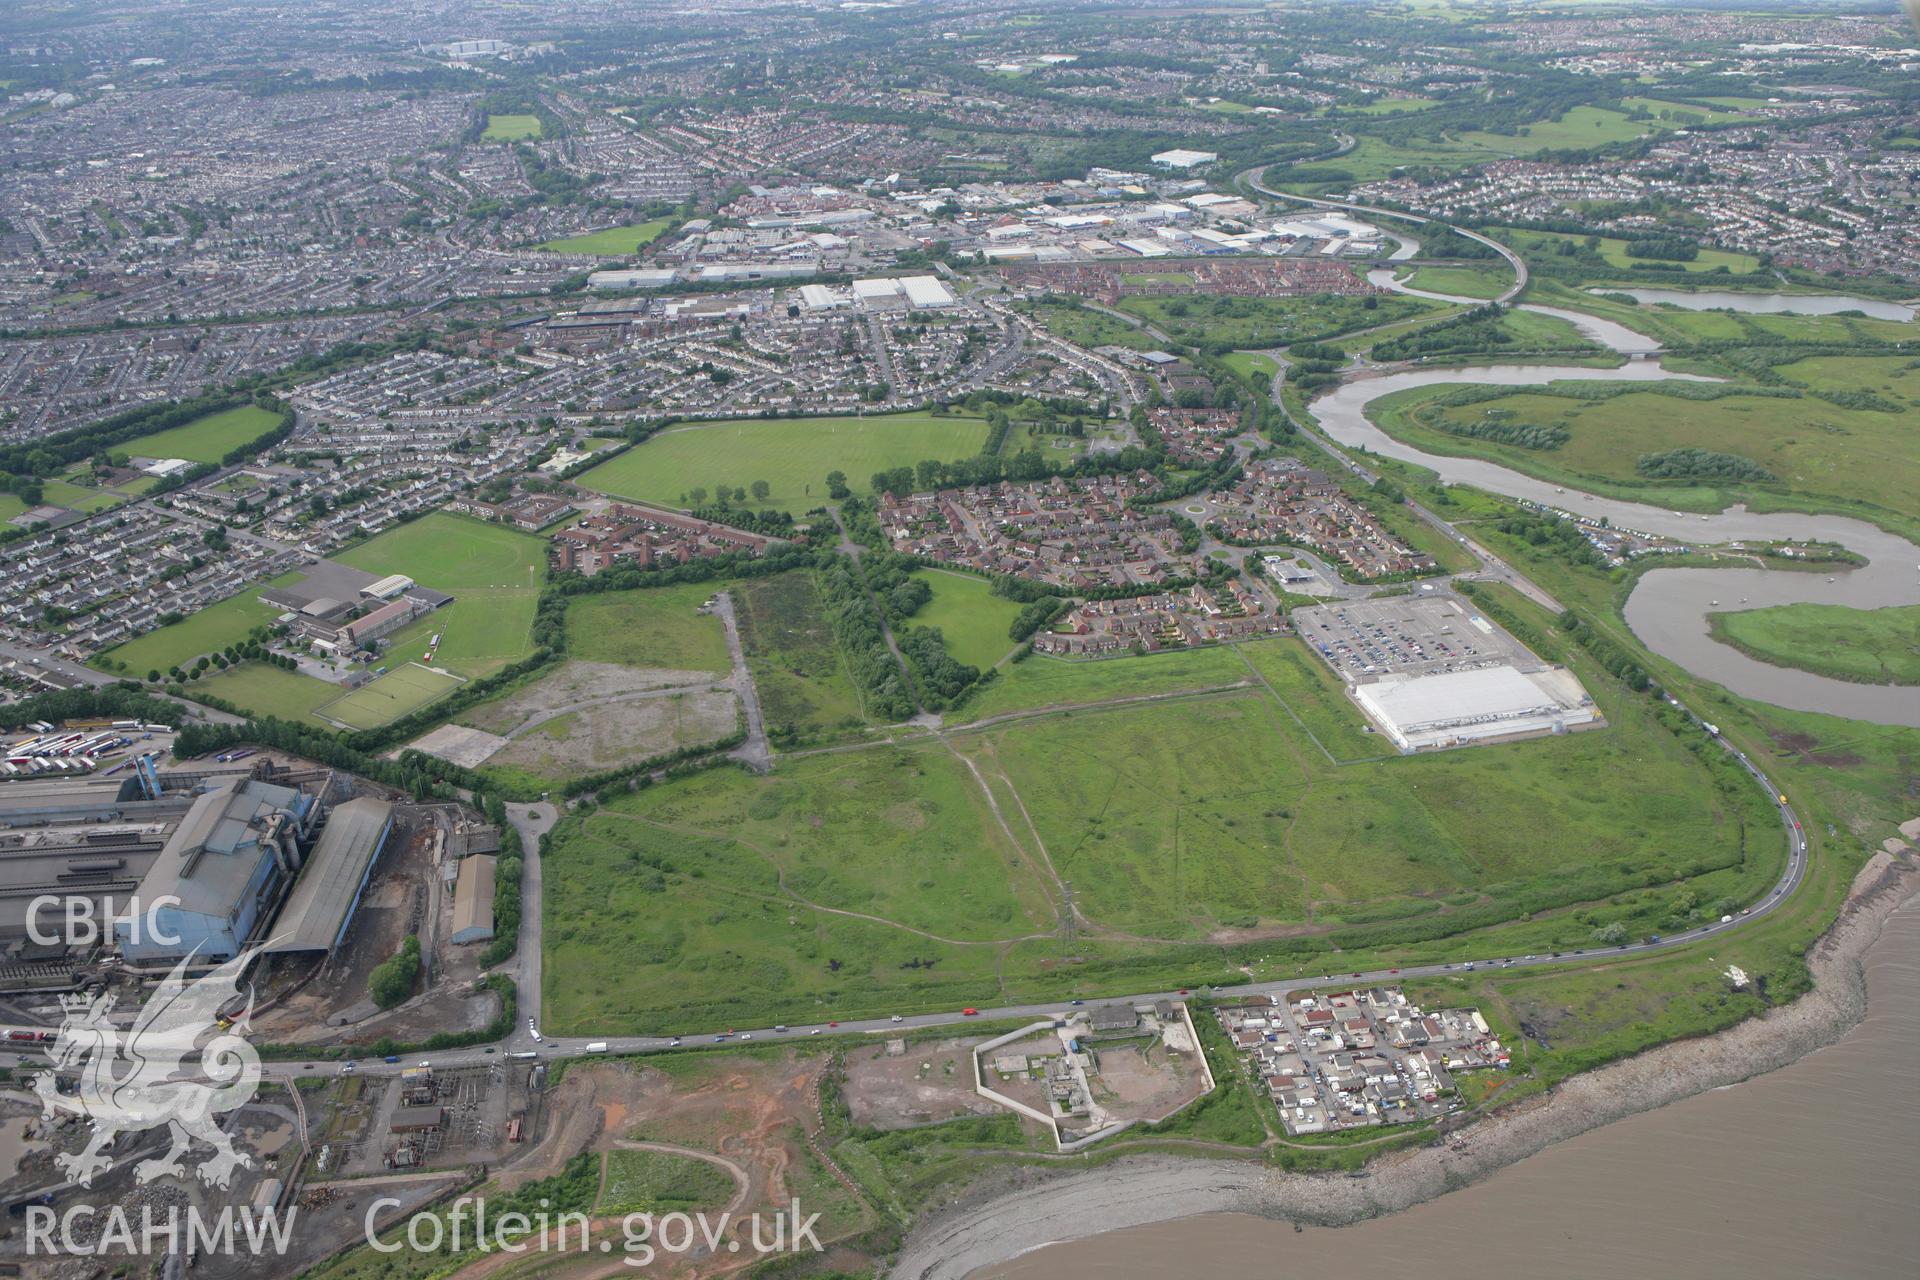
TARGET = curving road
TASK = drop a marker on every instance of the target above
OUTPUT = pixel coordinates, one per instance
(533, 820)
(1251, 178)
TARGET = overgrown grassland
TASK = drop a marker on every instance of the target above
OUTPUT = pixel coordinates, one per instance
(806, 693)
(1873, 646)
(1858, 453)
(858, 880)
(1061, 682)
(1203, 835)
(1223, 323)
(661, 1182)
(1464, 282)
(660, 628)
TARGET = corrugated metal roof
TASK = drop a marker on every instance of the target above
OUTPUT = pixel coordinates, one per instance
(330, 882)
(216, 825)
(473, 897)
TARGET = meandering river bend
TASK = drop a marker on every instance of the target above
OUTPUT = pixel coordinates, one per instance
(1668, 608)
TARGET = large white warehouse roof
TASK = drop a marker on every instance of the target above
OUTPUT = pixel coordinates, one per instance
(1465, 706)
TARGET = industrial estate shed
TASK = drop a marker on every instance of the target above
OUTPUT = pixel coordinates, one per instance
(473, 899)
(323, 900)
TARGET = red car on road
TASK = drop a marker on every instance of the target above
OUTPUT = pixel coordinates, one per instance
(969, 1013)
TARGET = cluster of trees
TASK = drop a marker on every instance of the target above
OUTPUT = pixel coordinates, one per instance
(252, 649)
(1663, 248)
(1311, 372)
(1028, 464)
(942, 681)
(1563, 537)
(1604, 651)
(725, 495)
(90, 702)
(771, 524)
(1861, 399)
(1700, 464)
(1524, 435)
(1471, 331)
(856, 624)
(1448, 243)
(392, 979)
(1034, 616)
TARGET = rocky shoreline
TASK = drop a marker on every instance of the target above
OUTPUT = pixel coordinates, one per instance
(1042, 1209)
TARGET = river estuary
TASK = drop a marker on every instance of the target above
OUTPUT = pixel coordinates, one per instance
(1807, 1171)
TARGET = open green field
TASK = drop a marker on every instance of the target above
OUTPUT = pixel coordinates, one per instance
(90, 498)
(511, 128)
(1860, 456)
(1372, 159)
(403, 690)
(1198, 832)
(1388, 106)
(1578, 129)
(205, 439)
(1678, 115)
(1253, 365)
(1873, 646)
(1614, 250)
(614, 242)
(211, 629)
(1464, 282)
(972, 620)
(806, 694)
(656, 628)
(11, 506)
(793, 455)
(1219, 322)
(270, 691)
(494, 574)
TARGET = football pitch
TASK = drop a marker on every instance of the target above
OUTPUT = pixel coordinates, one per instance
(678, 467)
(386, 698)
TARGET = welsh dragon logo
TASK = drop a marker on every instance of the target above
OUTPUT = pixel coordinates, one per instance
(146, 1077)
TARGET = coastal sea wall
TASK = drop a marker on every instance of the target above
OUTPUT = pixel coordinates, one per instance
(1038, 1207)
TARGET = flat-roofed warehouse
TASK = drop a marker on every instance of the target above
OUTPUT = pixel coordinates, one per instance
(328, 891)
(1461, 707)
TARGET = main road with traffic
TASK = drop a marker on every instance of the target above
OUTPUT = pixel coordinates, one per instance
(527, 1043)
